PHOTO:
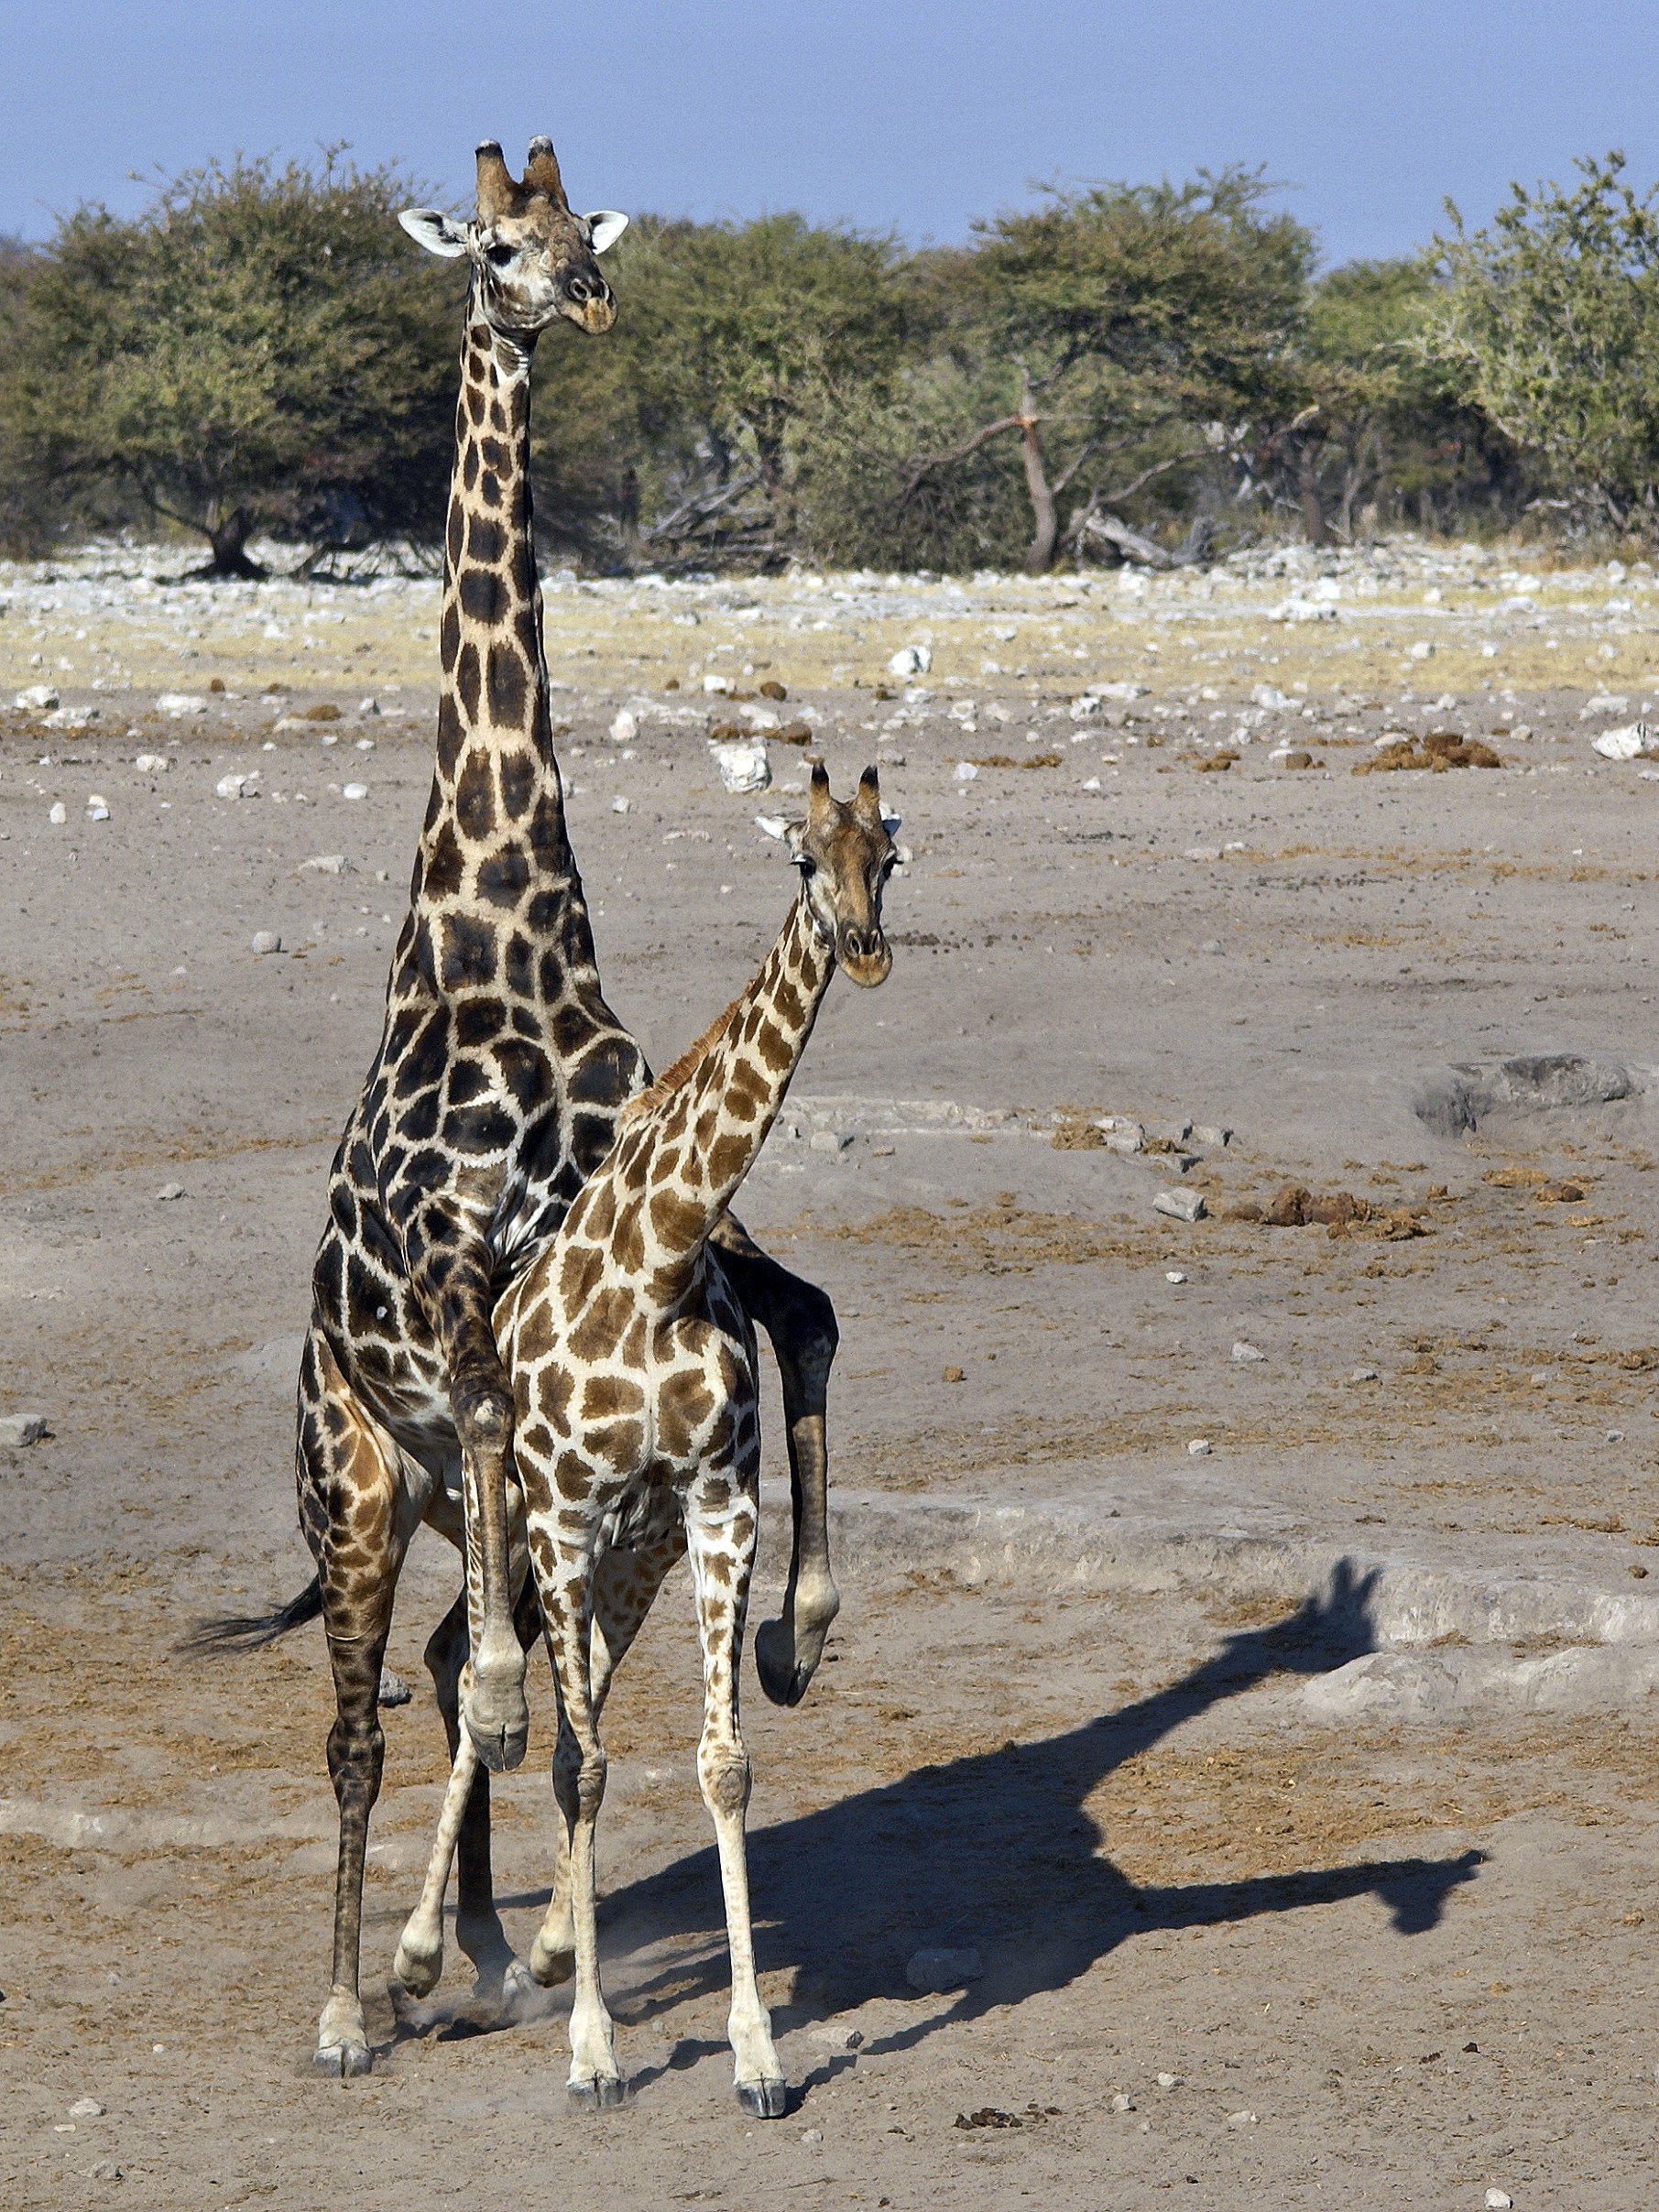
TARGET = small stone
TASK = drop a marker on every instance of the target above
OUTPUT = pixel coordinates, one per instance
(1247, 1354)
(1180, 1205)
(170, 1190)
(97, 808)
(230, 787)
(964, 771)
(1173, 1275)
(326, 864)
(831, 1140)
(953, 1375)
(41, 697)
(1539, 1379)
(1615, 1436)
(57, 813)
(831, 2036)
(394, 1690)
(1120, 2103)
(18, 1429)
(152, 764)
(1241, 2119)
(86, 2107)
(811, 2135)
(1420, 651)
(354, 790)
(1363, 1375)
(619, 804)
(106, 2168)
(625, 727)
(1169, 2081)
(1202, 851)
(1199, 1448)
(180, 703)
(1211, 1134)
(721, 684)
(265, 941)
(1498, 2200)
(368, 706)
(935, 1970)
(911, 661)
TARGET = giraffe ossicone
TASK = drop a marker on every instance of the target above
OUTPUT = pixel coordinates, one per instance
(638, 1432)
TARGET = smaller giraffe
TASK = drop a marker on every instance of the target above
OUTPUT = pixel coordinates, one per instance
(638, 1432)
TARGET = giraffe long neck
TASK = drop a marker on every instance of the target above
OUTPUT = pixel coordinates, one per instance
(494, 843)
(698, 1129)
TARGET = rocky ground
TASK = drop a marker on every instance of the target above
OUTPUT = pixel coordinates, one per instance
(1199, 1818)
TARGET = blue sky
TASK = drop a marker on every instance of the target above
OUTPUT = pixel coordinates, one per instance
(912, 115)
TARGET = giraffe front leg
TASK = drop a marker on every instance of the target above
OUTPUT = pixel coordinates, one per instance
(595, 2079)
(626, 1584)
(722, 1553)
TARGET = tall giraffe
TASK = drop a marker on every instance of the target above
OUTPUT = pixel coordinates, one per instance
(492, 1093)
(638, 1431)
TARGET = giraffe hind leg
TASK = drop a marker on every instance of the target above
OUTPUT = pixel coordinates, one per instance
(358, 1517)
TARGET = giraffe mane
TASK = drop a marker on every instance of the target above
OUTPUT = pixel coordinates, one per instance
(678, 1071)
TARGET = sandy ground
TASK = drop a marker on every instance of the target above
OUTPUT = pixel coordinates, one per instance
(1170, 1863)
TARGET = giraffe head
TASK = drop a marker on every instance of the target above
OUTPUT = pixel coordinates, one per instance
(533, 259)
(846, 854)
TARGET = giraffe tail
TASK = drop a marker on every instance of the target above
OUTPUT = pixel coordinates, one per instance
(247, 1632)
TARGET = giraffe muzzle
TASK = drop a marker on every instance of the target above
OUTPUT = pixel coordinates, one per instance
(865, 955)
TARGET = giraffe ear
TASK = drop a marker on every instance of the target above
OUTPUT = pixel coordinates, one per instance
(794, 836)
(604, 226)
(429, 228)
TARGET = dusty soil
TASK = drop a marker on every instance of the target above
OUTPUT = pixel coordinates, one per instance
(1168, 1864)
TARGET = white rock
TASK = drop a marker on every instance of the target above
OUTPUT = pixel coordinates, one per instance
(1420, 651)
(1173, 1275)
(831, 1140)
(354, 790)
(1363, 1375)
(1499, 2200)
(265, 941)
(1120, 2103)
(1169, 2081)
(1199, 1448)
(625, 727)
(830, 2035)
(811, 2135)
(1268, 695)
(152, 764)
(1202, 851)
(911, 661)
(719, 683)
(1247, 1354)
(1118, 691)
(232, 787)
(1241, 2119)
(1082, 708)
(86, 2107)
(170, 1190)
(368, 706)
(57, 813)
(934, 1971)
(18, 1429)
(393, 1690)
(97, 808)
(742, 763)
(41, 697)
(964, 771)
(326, 864)
(180, 703)
(1180, 1205)
(620, 805)
(1210, 1133)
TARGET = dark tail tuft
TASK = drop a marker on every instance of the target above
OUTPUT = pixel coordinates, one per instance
(247, 1632)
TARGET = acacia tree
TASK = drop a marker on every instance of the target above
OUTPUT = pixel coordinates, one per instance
(1552, 316)
(1123, 318)
(260, 347)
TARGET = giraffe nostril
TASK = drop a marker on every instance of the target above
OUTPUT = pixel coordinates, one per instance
(580, 289)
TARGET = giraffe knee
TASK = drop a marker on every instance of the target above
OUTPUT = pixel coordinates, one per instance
(579, 1779)
(724, 1775)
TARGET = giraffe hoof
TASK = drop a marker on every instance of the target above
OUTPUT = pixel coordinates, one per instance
(603, 2094)
(552, 1963)
(339, 2061)
(763, 2099)
(784, 1682)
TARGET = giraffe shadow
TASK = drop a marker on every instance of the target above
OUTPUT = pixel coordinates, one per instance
(994, 1850)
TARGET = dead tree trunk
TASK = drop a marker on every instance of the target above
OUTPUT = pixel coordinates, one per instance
(229, 538)
(1307, 492)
